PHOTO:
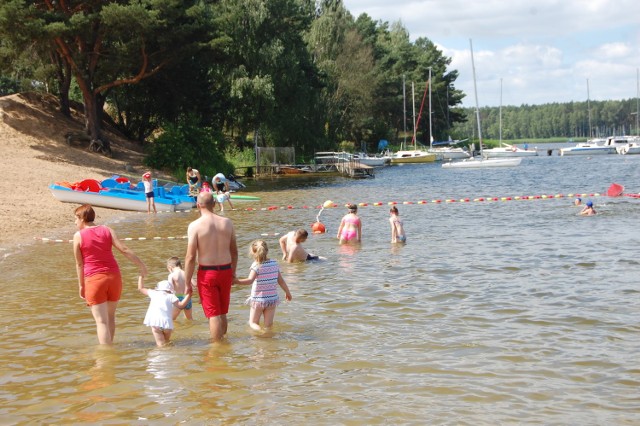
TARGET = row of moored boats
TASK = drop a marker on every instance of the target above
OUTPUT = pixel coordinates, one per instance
(623, 145)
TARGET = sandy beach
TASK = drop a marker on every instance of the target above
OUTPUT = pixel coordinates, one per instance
(35, 154)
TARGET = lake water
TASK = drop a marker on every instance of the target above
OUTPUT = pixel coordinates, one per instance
(494, 312)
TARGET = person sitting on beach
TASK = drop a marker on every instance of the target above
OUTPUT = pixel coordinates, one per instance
(291, 245)
(397, 230)
(176, 278)
(588, 210)
(161, 304)
(350, 226)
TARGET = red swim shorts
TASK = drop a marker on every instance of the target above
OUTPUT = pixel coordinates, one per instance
(102, 287)
(214, 286)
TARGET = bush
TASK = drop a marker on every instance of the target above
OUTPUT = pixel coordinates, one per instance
(8, 86)
(186, 144)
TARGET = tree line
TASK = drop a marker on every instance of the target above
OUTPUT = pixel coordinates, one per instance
(192, 79)
(571, 120)
(299, 73)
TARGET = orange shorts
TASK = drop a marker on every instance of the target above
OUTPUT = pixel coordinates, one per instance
(214, 287)
(103, 287)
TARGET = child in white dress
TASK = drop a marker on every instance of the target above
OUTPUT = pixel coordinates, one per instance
(265, 277)
(160, 312)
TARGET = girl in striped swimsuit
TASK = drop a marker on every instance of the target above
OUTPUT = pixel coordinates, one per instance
(265, 276)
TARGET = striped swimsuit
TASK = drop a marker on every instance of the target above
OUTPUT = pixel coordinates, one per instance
(264, 292)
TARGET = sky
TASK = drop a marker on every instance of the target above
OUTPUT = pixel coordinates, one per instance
(544, 51)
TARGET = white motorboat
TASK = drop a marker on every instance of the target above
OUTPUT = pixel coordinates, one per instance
(633, 147)
(621, 142)
(591, 147)
(371, 160)
(480, 162)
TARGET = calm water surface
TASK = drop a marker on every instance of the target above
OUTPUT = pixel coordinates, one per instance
(494, 312)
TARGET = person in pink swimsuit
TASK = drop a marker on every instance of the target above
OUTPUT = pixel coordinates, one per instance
(350, 226)
(99, 279)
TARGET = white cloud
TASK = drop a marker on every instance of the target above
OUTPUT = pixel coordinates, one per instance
(544, 51)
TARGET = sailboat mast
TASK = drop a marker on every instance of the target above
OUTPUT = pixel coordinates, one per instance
(430, 123)
(475, 91)
(404, 111)
(589, 110)
(500, 112)
(637, 101)
(413, 101)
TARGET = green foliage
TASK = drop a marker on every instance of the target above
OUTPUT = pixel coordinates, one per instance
(347, 146)
(185, 144)
(240, 158)
(8, 86)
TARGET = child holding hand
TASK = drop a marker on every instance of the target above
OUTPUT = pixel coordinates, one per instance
(265, 276)
(160, 311)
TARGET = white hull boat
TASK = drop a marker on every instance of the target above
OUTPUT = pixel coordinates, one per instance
(630, 149)
(593, 147)
(371, 160)
(450, 153)
(480, 162)
(476, 163)
(508, 151)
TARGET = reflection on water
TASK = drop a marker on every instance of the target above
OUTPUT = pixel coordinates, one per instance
(493, 312)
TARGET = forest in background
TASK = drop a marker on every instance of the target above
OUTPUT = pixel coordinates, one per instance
(193, 79)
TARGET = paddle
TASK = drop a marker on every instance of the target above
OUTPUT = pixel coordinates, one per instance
(616, 190)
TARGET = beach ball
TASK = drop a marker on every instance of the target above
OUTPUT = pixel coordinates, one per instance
(318, 228)
(327, 204)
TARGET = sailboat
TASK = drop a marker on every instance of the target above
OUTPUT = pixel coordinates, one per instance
(595, 146)
(478, 162)
(415, 155)
(506, 150)
(445, 151)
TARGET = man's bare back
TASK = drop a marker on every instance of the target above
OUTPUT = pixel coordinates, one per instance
(212, 239)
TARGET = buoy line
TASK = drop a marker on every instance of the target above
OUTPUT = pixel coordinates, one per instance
(433, 201)
(53, 240)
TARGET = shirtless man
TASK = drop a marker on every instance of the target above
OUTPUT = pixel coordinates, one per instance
(212, 239)
(291, 245)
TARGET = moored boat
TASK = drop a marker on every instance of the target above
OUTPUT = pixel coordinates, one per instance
(450, 153)
(479, 162)
(371, 160)
(591, 147)
(414, 156)
(508, 151)
(632, 147)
